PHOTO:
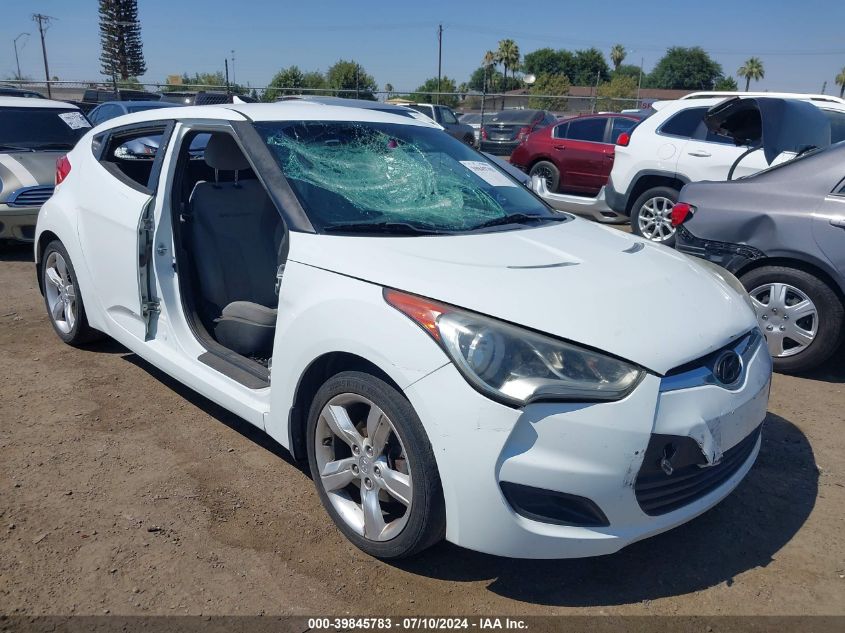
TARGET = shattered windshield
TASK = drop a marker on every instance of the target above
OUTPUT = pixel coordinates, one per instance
(360, 175)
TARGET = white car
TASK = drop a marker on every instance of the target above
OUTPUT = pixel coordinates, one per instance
(673, 147)
(446, 352)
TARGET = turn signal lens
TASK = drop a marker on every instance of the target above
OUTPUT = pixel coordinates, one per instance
(62, 168)
(423, 311)
(681, 212)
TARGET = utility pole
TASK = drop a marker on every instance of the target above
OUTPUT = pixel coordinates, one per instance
(17, 61)
(226, 63)
(357, 73)
(439, 58)
(234, 80)
(42, 20)
(640, 82)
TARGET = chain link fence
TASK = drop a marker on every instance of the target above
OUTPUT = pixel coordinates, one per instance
(566, 104)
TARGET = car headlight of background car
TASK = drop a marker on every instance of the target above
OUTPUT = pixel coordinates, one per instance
(515, 365)
(729, 279)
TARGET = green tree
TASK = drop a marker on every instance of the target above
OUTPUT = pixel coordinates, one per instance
(131, 83)
(685, 69)
(610, 93)
(349, 79)
(840, 81)
(547, 61)
(557, 85)
(284, 82)
(476, 80)
(627, 70)
(122, 53)
(388, 88)
(617, 55)
(726, 84)
(589, 65)
(508, 55)
(424, 94)
(751, 69)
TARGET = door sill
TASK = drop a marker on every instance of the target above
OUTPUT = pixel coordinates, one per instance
(240, 369)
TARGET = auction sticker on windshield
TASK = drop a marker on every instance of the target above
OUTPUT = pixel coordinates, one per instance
(74, 120)
(488, 173)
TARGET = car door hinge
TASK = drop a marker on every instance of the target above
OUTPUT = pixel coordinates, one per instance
(149, 307)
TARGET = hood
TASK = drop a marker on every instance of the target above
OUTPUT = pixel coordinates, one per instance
(19, 170)
(588, 284)
(776, 125)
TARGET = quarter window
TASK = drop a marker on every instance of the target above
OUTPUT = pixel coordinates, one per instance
(684, 123)
(448, 116)
(561, 130)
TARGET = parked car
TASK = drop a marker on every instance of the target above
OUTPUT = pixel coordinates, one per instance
(473, 120)
(782, 232)
(204, 97)
(447, 118)
(575, 155)
(111, 109)
(33, 134)
(92, 97)
(504, 130)
(9, 91)
(395, 286)
(674, 147)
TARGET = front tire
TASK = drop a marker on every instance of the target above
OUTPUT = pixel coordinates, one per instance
(800, 315)
(548, 172)
(651, 215)
(63, 298)
(374, 467)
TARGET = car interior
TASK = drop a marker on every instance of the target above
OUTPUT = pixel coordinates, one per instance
(229, 236)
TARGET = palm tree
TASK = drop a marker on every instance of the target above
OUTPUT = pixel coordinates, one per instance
(490, 60)
(840, 81)
(751, 69)
(617, 55)
(508, 55)
(388, 88)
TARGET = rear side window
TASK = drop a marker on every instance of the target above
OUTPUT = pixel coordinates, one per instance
(561, 130)
(130, 156)
(684, 123)
(587, 130)
(837, 126)
(448, 116)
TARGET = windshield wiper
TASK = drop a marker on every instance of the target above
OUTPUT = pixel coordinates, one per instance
(518, 218)
(14, 148)
(397, 228)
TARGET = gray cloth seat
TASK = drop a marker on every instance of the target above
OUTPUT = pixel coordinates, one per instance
(234, 232)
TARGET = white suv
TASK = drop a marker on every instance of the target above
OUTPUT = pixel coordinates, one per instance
(673, 147)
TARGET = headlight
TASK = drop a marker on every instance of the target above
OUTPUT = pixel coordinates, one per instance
(515, 365)
(728, 278)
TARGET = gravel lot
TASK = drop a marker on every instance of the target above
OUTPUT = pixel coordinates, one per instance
(123, 492)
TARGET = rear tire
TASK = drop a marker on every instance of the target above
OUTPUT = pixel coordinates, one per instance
(63, 298)
(813, 329)
(651, 215)
(374, 467)
(548, 172)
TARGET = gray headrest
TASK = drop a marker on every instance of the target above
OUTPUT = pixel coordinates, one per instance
(222, 152)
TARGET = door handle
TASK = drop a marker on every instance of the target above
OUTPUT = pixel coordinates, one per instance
(560, 147)
(699, 154)
(840, 222)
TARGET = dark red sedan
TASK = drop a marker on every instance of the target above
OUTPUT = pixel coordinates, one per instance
(574, 155)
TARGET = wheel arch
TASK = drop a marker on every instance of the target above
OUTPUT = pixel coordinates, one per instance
(646, 180)
(318, 372)
(807, 266)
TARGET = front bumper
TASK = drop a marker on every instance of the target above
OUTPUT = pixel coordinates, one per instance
(595, 208)
(18, 223)
(590, 451)
(732, 257)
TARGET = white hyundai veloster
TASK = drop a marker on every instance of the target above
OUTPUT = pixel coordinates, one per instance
(454, 359)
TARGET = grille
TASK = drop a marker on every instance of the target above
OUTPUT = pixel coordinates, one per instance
(30, 196)
(659, 493)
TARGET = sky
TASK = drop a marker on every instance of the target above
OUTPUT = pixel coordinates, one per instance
(801, 44)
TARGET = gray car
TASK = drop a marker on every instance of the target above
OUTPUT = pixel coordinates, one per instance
(446, 117)
(112, 109)
(782, 233)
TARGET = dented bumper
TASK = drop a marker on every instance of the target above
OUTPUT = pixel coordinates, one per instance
(563, 480)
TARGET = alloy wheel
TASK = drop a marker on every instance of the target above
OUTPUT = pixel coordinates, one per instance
(363, 467)
(60, 292)
(788, 317)
(546, 174)
(655, 219)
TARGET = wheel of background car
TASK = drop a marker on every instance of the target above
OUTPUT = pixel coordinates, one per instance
(373, 466)
(800, 315)
(469, 139)
(548, 172)
(651, 215)
(63, 298)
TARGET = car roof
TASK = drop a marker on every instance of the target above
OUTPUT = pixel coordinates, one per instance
(33, 102)
(780, 95)
(292, 110)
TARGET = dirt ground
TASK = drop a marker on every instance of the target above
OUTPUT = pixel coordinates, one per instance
(123, 492)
